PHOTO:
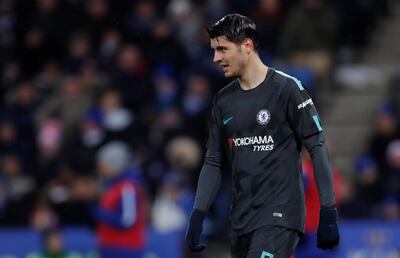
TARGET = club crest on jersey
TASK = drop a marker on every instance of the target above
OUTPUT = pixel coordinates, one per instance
(263, 117)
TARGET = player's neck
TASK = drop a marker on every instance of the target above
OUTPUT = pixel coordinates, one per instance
(253, 75)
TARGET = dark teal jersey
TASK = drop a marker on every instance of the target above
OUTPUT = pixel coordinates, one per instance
(259, 133)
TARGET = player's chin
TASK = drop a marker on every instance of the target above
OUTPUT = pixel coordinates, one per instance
(228, 74)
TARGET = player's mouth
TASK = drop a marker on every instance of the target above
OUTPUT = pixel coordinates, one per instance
(224, 67)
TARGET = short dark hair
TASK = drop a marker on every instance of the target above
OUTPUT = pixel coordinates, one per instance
(236, 28)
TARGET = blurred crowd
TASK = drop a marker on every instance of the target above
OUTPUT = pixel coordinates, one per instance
(376, 189)
(77, 74)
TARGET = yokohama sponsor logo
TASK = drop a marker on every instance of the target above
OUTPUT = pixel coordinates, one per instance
(253, 140)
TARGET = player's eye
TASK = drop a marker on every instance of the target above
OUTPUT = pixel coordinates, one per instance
(221, 49)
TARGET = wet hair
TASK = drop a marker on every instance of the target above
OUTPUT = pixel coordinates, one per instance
(236, 28)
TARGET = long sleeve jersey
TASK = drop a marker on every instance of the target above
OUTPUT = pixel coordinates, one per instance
(259, 133)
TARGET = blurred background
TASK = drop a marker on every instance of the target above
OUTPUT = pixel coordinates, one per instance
(94, 90)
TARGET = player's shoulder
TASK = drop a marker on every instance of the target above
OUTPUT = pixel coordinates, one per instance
(227, 89)
(223, 95)
(287, 82)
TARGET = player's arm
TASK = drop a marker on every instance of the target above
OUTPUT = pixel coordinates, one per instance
(316, 146)
(327, 234)
(208, 183)
(306, 125)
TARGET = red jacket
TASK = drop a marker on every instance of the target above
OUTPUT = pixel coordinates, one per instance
(122, 215)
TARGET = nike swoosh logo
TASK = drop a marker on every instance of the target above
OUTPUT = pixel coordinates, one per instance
(226, 121)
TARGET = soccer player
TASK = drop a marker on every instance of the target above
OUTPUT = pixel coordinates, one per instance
(259, 123)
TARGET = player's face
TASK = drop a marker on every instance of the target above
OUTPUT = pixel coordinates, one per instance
(230, 56)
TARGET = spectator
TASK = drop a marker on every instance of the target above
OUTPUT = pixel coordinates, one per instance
(7, 28)
(142, 20)
(48, 80)
(20, 189)
(34, 51)
(92, 79)
(308, 37)
(187, 22)
(69, 193)
(79, 50)
(163, 48)
(386, 130)
(109, 46)
(81, 151)
(166, 125)
(48, 158)
(269, 18)
(8, 137)
(10, 76)
(97, 18)
(172, 206)
(22, 108)
(196, 104)
(48, 17)
(59, 106)
(392, 175)
(53, 246)
(43, 216)
(390, 209)
(167, 90)
(128, 76)
(121, 212)
(369, 186)
(115, 120)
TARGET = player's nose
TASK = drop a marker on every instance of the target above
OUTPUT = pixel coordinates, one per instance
(217, 57)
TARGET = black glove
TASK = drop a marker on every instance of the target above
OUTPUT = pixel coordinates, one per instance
(328, 232)
(194, 229)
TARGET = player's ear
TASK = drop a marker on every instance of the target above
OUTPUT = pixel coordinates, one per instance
(248, 43)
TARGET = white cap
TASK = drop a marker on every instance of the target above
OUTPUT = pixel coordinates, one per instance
(115, 154)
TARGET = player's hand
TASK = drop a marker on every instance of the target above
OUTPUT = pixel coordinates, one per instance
(328, 232)
(194, 229)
